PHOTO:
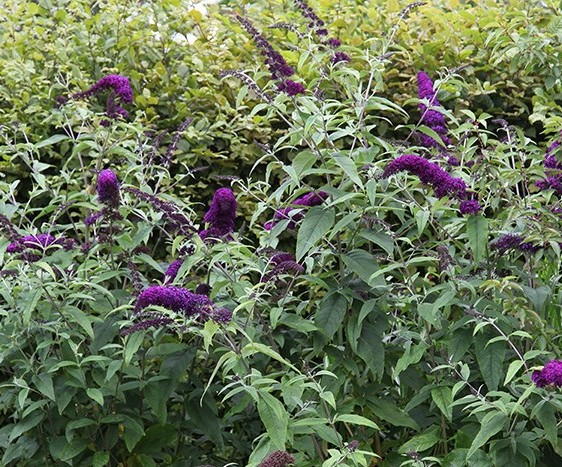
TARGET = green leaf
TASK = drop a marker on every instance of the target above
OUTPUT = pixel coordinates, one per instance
(81, 318)
(50, 141)
(158, 437)
(133, 433)
(491, 424)
(431, 133)
(361, 263)
(30, 303)
(100, 459)
(254, 347)
(44, 383)
(413, 354)
(96, 395)
(477, 231)
(443, 398)
(490, 359)
(331, 314)
(421, 442)
(275, 419)
(25, 425)
(348, 166)
(391, 413)
(514, 367)
(356, 420)
(317, 222)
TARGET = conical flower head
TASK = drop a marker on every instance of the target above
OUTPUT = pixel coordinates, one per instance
(108, 188)
(221, 214)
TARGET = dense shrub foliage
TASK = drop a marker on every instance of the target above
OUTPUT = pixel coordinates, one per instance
(280, 233)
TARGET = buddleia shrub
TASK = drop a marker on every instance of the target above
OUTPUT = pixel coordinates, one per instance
(379, 284)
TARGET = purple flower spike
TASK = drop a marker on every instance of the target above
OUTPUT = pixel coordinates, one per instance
(221, 215)
(513, 242)
(180, 300)
(550, 375)
(176, 299)
(273, 59)
(290, 87)
(431, 118)
(469, 206)
(277, 459)
(429, 173)
(108, 188)
(172, 271)
(120, 91)
(120, 85)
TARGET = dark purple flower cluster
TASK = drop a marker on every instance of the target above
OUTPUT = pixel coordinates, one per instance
(283, 263)
(182, 301)
(550, 160)
(340, 57)
(172, 215)
(120, 92)
(554, 174)
(310, 199)
(430, 117)
(108, 188)
(431, 174)
(550, 375)
(221, 215)
(513, 242)
(469, 206)
(8, 229)
(39, 242)
(172, 270)
(277, 459)
(292, 88)
(273, 59)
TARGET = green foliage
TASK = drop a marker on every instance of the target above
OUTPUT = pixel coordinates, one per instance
(400, 335)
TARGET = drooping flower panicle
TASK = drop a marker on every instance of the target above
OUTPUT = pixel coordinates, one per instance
(513, 242)
(283, 263)
(276, 63)
(120, 91)
(431, 117)
(431, 174)
(554, 172)
(318, 26)
(182, 301)
(221, 215)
